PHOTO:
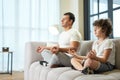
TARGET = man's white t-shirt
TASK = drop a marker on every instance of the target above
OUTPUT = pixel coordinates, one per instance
(67, 36)
(64, 41)
(106, 44)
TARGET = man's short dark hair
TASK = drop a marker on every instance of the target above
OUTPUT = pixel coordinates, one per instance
(71, 15)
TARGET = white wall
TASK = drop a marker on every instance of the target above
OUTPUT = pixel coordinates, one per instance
(76, 7)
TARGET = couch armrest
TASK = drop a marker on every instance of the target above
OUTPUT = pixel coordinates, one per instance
(31, 56)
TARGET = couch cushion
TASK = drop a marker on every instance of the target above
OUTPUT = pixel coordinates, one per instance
(39, 72)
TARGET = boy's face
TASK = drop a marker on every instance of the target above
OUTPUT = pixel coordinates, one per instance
(98, 31)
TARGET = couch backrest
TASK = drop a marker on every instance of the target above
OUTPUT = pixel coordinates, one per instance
(117, 52)
(87, 45)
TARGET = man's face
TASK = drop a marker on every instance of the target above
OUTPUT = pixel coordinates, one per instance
(66, 21)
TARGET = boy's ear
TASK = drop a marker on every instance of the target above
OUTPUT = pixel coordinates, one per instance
(103, 31)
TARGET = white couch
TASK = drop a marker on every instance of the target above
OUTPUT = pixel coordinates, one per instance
(35, 71)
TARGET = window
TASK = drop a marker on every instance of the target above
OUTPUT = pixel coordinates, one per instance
(116, 17)
(97, 9)
(22, 21)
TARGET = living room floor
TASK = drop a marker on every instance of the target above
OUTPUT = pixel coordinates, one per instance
(14, 76)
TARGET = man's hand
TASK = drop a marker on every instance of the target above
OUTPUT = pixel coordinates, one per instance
(72, 51)
(54, 49)
(40, 49)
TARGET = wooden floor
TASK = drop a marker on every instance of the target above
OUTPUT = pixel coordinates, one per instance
(14, 76)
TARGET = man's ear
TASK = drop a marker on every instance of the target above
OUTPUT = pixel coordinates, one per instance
(71, 21)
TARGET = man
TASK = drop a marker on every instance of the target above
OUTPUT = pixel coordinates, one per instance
(68, 39)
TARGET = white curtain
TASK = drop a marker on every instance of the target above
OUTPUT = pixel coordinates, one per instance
(22, 21)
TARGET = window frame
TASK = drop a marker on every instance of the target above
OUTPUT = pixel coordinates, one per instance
(87, 16)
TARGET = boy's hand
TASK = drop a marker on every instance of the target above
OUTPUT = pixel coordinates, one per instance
(91, 54)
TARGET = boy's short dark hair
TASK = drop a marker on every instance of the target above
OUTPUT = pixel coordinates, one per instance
(71, 15)
(105, 25)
